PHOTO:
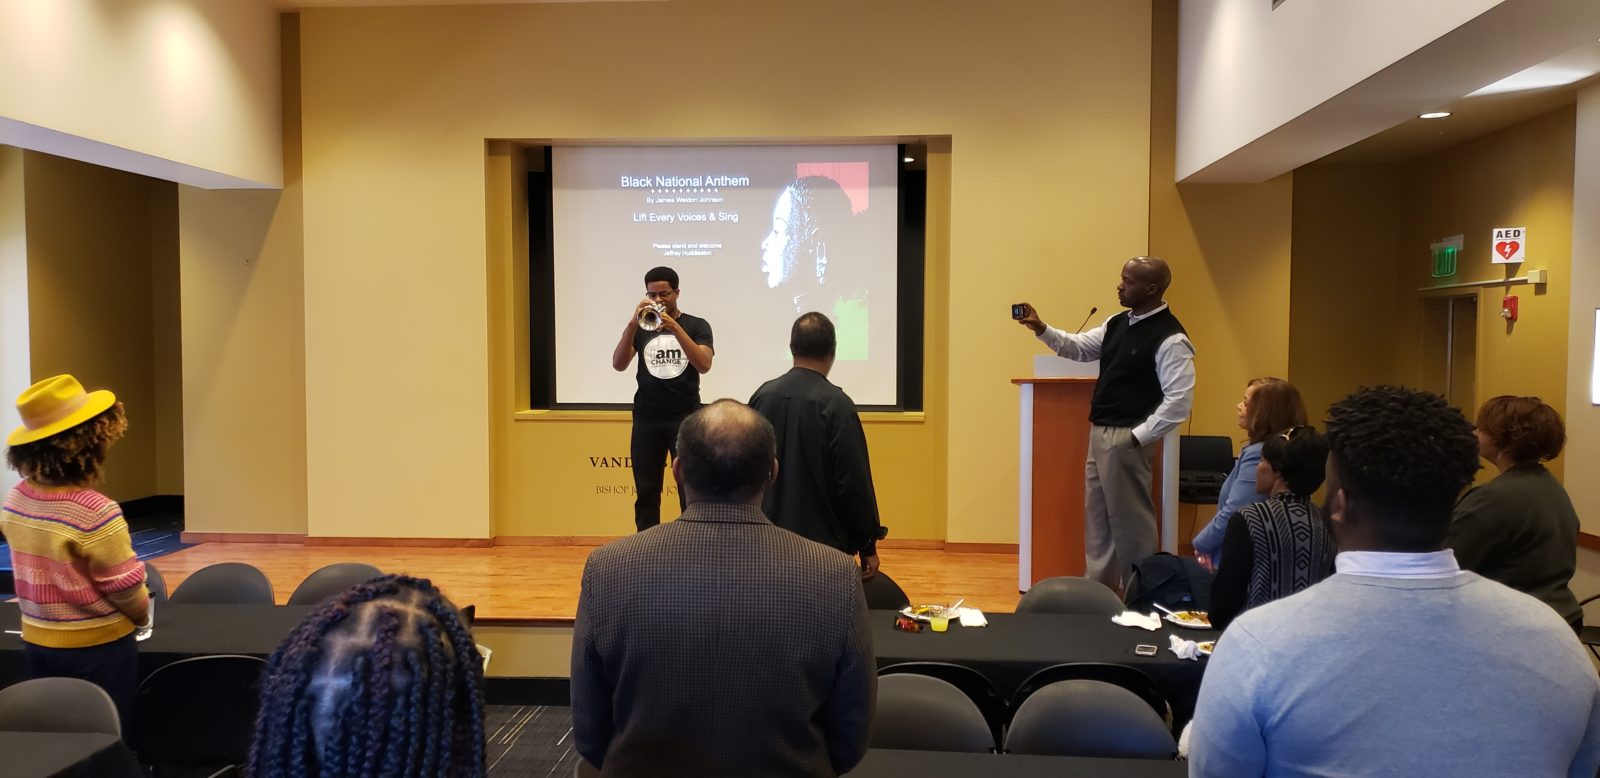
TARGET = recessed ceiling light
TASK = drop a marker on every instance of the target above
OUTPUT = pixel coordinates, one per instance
(909, 159)
(1434, 115)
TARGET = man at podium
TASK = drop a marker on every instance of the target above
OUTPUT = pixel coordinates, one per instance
(1145, 390)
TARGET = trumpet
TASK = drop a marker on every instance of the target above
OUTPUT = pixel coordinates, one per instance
(650, 318)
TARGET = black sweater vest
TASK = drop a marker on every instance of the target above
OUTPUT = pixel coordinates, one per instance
(1129, 389)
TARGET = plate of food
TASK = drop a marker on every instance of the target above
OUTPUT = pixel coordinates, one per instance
(1205, 647)
(1190, 619)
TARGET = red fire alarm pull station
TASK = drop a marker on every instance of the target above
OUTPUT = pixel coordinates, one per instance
(1508, 309)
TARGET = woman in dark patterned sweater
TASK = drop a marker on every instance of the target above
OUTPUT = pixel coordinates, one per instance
(1280, 545)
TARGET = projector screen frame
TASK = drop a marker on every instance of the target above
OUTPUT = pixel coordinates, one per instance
(911, 273)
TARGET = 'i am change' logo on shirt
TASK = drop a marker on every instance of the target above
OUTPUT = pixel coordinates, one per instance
(664, 357)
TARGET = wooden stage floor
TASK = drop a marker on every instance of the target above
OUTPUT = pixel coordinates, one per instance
(540, 584)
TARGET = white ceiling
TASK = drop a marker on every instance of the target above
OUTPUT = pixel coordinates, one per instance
(1540, 89)
(1507, 39)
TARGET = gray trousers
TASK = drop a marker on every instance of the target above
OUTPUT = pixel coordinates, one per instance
(1119, 513)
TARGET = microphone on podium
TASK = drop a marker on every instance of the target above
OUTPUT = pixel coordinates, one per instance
(1086, 320)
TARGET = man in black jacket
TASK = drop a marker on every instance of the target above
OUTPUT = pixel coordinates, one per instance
(718, 644)
(1145, 390)
(824, 487)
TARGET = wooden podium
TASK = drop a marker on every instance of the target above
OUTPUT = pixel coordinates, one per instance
(1054, 449)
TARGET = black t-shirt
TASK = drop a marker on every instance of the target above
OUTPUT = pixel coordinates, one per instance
(667, 382)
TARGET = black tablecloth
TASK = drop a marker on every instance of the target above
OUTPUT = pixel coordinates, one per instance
(933, 764)
(182, 631)
(92, 755)
(1016, 645)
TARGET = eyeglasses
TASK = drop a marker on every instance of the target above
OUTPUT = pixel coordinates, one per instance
(1292, 431)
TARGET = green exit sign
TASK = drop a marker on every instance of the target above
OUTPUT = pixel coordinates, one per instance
(1445, 254)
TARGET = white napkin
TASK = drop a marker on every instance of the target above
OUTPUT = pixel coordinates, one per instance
(1185, 649)
(972, 617)
(1151, 622)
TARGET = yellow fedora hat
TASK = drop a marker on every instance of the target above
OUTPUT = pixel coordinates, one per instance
(56, 405)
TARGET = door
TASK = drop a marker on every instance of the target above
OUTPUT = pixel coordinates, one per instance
(1449, 354)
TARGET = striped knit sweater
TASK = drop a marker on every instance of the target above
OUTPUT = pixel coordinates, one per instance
(74, 564)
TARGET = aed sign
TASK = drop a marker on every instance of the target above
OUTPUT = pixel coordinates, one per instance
(1509, 245)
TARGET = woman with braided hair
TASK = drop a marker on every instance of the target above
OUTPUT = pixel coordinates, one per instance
(383, 680)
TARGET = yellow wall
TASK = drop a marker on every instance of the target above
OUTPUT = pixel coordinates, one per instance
(1361, 253)
(1228, 245)
(398, 356)
(1520, 176)
(244, 346)
(92, 268)
(1345, 284)
(174, 88)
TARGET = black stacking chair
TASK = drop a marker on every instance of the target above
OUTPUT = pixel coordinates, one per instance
(332, 580)
(157, 584)
(1089, 718)
(198, 712)
(228, 583)
(922, 713)
(1204, 462)
(1130, 678)
(58, 705)
(972, 683)
(1070, 595)
(884, 594)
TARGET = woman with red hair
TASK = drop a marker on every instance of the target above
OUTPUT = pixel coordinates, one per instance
(1520, 529)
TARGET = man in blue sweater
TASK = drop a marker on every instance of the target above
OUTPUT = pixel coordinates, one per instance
(1401, 663)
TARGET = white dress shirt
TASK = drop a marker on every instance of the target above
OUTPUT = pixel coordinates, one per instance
(1395, 564)
(1174, 369)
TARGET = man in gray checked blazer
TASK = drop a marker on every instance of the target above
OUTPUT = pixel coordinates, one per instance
(720, 644)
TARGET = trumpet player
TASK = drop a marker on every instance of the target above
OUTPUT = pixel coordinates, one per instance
(671, 349)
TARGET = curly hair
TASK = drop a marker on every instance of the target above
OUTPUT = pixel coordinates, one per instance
(383, 680)
(72, 457)
(1526, 428)
(662, 273)
(1404, 456)
(1274, 407)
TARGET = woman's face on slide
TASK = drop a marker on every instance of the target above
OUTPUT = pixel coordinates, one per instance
(772, 248)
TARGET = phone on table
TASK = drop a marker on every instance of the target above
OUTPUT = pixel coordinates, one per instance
(1145, 650)
(1019, 310)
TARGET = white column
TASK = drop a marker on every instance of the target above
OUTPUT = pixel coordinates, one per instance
(1582, 416)
(1025, 492)
(15, 368)
(1169, 492)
